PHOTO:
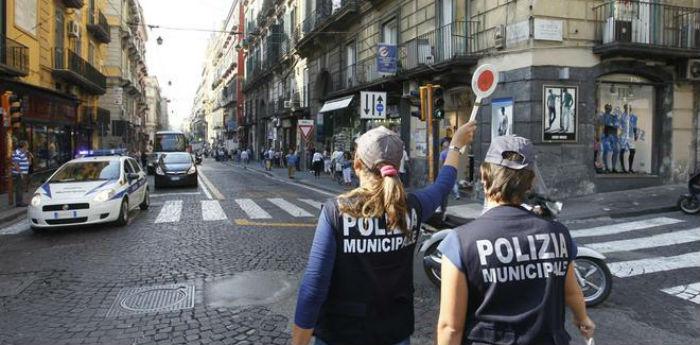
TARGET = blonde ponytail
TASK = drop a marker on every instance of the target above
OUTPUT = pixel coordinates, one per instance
(377, 196)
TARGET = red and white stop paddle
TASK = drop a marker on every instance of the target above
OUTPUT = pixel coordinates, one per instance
(484, 82)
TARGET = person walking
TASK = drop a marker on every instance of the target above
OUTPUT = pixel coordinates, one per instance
(358, 284)
(245, 158)
(292, 160)
(326, 161)
(20, 172)
(501, 282)
(403, 169)
(317, 164)
(346, 165)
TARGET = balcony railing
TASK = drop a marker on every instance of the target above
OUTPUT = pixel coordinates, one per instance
(99, 27)
(71, 67)
(326, 12)
(636, 26)
(444, 44)
(14, 58)
(363, 72)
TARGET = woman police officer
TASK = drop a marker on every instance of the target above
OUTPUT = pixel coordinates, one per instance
(358, 284)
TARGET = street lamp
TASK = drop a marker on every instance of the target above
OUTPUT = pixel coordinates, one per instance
(159, 40)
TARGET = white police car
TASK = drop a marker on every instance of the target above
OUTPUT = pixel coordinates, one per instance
(90, 190)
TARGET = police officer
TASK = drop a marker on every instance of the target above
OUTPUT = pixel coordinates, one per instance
(358, 284)
(508, 274)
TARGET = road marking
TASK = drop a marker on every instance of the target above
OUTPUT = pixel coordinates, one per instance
(170, 212)
(15, 228)
(315, 204)
(174, 194)
(252, 209)
(667, 239)
(204, 188)
(290, 208)
(215, 192)
(689, 292)
(211, 210)
(245, 222)
(633, 268)
(624, 227)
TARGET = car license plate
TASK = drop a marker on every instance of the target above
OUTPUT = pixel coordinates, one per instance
(64, 214)
(175, 178)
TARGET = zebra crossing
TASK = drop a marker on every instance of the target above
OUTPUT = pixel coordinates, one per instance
(212, 210)
(644, 236)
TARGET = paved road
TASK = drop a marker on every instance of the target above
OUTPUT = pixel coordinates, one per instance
(220, 265)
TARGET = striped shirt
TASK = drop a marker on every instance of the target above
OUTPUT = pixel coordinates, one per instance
(20, 157)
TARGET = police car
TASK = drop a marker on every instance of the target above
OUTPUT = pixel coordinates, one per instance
(97, 188)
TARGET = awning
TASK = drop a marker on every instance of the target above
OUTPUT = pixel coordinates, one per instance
(335, 104)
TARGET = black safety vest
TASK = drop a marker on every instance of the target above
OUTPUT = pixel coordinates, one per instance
(370, 298)
(516, 264)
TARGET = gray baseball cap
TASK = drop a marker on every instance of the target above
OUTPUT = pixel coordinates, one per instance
(511, 143)
(379, 145)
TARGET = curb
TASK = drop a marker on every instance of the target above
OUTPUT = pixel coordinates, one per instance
(330, 190)
(12, 215)
(623, 214)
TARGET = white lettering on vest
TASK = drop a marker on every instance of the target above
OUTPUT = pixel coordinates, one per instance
(485, 249)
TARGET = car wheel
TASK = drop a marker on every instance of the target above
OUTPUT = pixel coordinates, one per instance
(146, 200)
(123, 213)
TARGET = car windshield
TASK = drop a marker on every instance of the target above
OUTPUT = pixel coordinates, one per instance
(86, 172)
(177, 158)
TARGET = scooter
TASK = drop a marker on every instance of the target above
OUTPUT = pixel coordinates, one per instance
(689, 203)
(592, 273)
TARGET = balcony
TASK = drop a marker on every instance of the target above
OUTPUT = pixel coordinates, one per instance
(351, 76)
(645, 29)
(78, 4)
(14, 58)
(328, 15)
(72, 68)
(455, 43)
(99, 27)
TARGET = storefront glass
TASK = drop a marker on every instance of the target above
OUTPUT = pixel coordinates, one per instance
(50, 145)
(624, 125)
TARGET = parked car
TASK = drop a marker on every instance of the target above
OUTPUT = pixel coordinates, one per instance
(90, 190)
(176, 169)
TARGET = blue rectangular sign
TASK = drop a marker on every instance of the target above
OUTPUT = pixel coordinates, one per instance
(386, 58)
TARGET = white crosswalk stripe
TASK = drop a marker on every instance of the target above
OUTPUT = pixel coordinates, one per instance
(290, 208)
(211, 210)
(252, 209)
(170, 212)
(313, 203)
(689, 292)
(667, 239)
(624, 227)
(623, 269)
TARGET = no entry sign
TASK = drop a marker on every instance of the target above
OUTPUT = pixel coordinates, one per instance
(484, 82)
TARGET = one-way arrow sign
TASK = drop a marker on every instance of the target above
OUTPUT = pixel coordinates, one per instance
(372, 105)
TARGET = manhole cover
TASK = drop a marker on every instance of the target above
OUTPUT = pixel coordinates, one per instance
(153, 299)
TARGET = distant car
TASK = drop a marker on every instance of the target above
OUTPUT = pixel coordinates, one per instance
(166, 141)
(176, 169)
(90, 190)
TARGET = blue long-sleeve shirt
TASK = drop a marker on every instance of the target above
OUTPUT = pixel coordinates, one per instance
(317, 278)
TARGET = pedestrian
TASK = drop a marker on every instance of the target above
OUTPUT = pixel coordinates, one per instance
(358, 284)
(317, 164)
(244, 158)
(336, 159)
(346, 164)
(326, 161)
(403, 169)
(500, 280)
(292, 160)
(20, 172)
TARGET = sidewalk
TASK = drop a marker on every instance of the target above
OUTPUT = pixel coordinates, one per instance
(627, 203)
(9, 213)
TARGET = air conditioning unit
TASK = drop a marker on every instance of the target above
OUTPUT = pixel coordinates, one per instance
(288, 104)
(73, 29)
(693, 69)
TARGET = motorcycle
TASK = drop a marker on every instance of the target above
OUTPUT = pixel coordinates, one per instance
(689, 203)
(592, 273)
(198, 158)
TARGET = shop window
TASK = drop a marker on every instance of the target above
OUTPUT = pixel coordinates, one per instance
(624, 126)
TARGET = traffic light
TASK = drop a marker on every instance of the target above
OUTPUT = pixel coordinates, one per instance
(15, 110)
(438, 98)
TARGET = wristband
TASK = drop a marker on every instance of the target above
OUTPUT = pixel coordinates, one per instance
(455, 148)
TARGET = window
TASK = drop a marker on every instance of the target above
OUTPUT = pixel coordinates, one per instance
(87, 171)
(350, 56)
(390, 31)
(91, 54)
(135, 165)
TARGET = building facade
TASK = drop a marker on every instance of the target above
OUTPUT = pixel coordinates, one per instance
(52, 57)
(153, 108)
(126, 72)
(560, 63)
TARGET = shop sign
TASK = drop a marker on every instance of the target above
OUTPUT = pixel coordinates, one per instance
(372, 105)
(548, 30)
(306, 127)
(386, 58)
(517, 32)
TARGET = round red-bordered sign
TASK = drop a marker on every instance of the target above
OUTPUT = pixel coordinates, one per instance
(484, 81)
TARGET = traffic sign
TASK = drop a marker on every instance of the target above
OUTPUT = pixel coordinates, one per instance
(305, 126)
(484, 83)
(372, 105)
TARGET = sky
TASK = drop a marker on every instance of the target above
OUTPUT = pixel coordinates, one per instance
(179, 60)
